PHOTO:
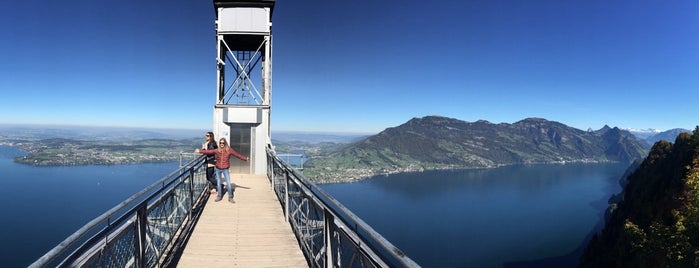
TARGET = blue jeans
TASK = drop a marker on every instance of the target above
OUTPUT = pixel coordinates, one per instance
(223, 173)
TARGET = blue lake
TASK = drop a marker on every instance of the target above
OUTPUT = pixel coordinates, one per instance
(521, 216)
(517, 216)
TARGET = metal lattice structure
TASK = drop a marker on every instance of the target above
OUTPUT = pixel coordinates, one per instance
(329, 234)
(242, 111)
(142, 231)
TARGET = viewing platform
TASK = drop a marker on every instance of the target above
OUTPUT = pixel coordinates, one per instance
(279, 219)
(251, 232)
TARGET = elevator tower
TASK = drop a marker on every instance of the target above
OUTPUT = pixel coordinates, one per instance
(244, 80)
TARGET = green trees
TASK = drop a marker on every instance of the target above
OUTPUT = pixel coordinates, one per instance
(657, 223)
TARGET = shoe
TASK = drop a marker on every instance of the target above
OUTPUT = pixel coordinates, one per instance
(230, 199)
(218, 198)
(213, 191)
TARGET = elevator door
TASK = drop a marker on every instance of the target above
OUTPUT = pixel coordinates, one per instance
(240, 140)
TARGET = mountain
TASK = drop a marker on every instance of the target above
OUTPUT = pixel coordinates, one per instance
(654, 222)
(668, 135)
(651, 136)
(643, 133)
(435, 142)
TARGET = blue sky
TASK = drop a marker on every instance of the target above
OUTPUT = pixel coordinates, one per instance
(358, 66)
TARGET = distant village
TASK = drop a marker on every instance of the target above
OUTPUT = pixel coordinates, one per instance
(71, 153)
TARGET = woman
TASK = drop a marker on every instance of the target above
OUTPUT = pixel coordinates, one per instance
(223, 155)
(210, 144)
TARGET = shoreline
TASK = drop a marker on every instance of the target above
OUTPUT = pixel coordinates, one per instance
(42, 156)
(357, 175)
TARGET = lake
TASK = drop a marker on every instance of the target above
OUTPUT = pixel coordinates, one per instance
(519, 216)
(516, 216)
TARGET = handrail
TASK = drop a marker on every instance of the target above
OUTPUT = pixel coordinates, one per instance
(326, 230)
(150, 227)
(147, 224)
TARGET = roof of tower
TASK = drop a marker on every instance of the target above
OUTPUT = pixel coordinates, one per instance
(245, 3)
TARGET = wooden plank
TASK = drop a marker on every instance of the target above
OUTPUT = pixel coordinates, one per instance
(248, 233)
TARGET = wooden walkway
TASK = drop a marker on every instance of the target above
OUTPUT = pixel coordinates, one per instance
(248, 233)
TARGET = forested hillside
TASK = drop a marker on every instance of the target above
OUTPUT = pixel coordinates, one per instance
(656, 223)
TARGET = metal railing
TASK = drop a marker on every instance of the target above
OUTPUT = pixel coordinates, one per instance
(150, 228)
(143, 230)
(329, 234)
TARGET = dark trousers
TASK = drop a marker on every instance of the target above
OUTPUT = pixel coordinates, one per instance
(211, 177)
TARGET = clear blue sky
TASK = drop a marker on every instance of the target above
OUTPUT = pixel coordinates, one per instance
(358, 66)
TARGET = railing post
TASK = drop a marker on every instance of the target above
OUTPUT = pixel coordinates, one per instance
(191, 190)
(140, 239)
(286, 195)
(270, 170)
(328, 229)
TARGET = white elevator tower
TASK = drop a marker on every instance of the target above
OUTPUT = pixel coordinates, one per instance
(244, 80)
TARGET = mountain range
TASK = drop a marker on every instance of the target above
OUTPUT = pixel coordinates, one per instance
(435, 142)
(668, 135)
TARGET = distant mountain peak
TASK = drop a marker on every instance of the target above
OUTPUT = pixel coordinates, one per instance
(647, 130)
(668, 135)
(533, 119)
